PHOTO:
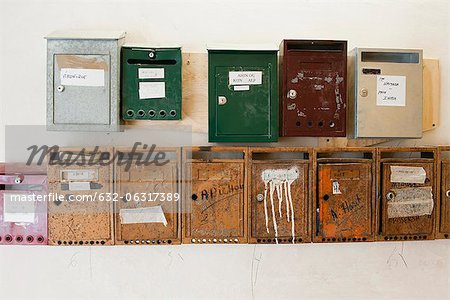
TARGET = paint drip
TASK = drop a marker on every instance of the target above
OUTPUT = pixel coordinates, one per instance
(279, 181)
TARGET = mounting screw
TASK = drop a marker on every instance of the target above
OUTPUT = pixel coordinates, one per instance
(260, 197)
(364, 92)
(292, 94)
(60, 88)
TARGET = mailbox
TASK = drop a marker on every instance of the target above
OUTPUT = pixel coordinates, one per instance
(313, 88)
(279, 195)
(407, 194)
(23, 205)
(443, 226)
(243, 94)
(149, 199)
(151, 83)
(215, 197)
(81, 212)
(385, 93)
(345, 195)
(83, 81)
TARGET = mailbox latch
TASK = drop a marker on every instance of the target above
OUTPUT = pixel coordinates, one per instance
(222, 100)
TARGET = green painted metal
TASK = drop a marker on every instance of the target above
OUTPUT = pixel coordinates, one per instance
(151, 62)
(248, 115)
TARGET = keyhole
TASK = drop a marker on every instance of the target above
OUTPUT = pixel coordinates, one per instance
(194, 197)
(326, 197)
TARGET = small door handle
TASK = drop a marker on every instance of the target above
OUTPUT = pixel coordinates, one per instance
(390, 196)
(222, 100)
(448, 194)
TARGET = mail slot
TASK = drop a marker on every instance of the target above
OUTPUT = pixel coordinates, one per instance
(279, 195)
(243, 94)
(407, 200)
(149, 201)
(23, 205)
(83, 71)
(443, 226)
(215, 202)
(81, 212)
(385, 93)
(345, 195)
(151, 83)
(313, 88)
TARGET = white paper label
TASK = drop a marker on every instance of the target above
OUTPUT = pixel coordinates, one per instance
(152, 90)
(79, 175)
(336, 188)
(411, 202)
(83, 77)
(391, 90)
(245, 77)
(241, 87)
(151, 73)
(403, 174)
(17, 209)
(79, 186)
(154, 214)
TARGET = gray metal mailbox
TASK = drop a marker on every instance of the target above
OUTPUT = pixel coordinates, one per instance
(83, 81)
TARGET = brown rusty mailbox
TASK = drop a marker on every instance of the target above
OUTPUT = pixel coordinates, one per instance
(407, 194)
(82, 214)
(215, 202)
(148, 187)
(345, 193)
(313, 88)
(443, 226)
(279, 195)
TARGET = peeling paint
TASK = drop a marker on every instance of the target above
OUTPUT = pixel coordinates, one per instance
(291, 106)
(339, 79)
(319, 87)
(328, 79)
(301, 114)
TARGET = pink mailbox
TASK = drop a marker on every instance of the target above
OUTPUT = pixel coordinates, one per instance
(23, 205)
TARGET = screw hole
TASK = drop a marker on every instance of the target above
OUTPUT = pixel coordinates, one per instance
(162, 113)
(141, 113)
(332, 124)
(173, 113)
(8, 238)
(310, 124)
(19, 239)
(320, 124)
(298, 124)
(194, 197)
(326, 197)
(151, 113)
(130, 113)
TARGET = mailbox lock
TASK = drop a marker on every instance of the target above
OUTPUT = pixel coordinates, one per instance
(19, 179)
(292, 94)
(151, 54)
(390, 196)
(60, 88)
(260, 197)
(448, 194)
(364, 92)
(222, 100)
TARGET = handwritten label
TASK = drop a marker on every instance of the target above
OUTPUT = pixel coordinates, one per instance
(152, 90)
(18, 209)
(241, 87)
(151, 73)
(336, 188)
(391, 90)
(82, 77)
(154, 214)
(79, 186)
(411, 202)
(245, 77)
(401, 174)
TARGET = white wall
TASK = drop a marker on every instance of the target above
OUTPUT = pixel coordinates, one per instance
(412, 270)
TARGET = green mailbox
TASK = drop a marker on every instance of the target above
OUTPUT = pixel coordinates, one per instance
(243, 94)
(151, 83)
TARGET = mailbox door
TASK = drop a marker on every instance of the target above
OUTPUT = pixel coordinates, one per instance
(81, 89)
(406, 220)
(217, 202)
(154, 187)
(86, 222)
(151, 84)
(345, 202)
(244, 112)
(388, 92)
(445, 198)
(272, 197)
(315, 99)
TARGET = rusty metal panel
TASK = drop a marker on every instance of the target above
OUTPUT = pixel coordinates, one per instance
(279, 193)
(313, 88)
(407, 200)
(344, 202)
(215, 202)
(148, 206)
(443, 226)
(84, 213)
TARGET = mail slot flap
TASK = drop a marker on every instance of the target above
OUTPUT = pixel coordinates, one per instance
(391, 57)
(316, 45)
(344, 202)
(279, 201)
(152, 56)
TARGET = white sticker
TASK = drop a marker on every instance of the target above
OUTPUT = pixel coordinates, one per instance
(154, 214)
(79, 175)
(403, 174)
(152, 90)
(151, 73)
(245, 77)
(336, 188)
(83, 77)
(411, 202)
(79, 186)
(391, 90)
(241, 87)
(18, 209)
